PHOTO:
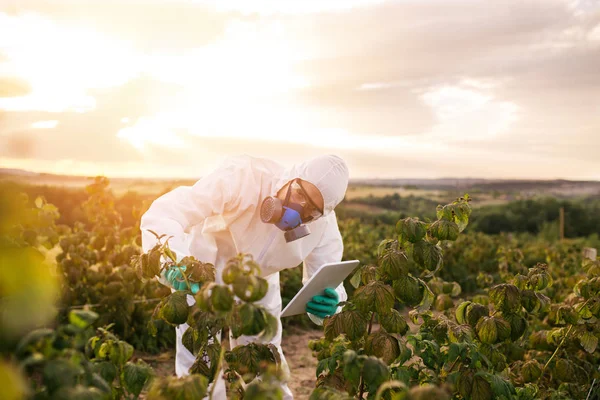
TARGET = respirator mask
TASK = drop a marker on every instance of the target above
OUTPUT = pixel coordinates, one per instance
(287, 215)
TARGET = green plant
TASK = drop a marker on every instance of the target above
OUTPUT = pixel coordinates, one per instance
(54, 360)
(94, 263)
(527, 331)
(229, 307)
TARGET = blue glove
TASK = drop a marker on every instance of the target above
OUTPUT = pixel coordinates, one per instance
(323, 306)
(175, 278)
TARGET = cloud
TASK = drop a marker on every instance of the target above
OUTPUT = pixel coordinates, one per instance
(464, 113)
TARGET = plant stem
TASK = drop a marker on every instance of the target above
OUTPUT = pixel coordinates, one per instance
(453, 364)
(562, 341)
(555, 351)
(362, 382)
(185, 277)
(169, 253)
(371, 323)
(219, 366)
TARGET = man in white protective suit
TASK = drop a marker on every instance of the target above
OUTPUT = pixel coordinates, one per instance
(282, 217)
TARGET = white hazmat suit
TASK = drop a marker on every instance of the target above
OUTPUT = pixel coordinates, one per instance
(219, 217)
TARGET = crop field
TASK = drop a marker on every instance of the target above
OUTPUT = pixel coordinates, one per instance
(453, 299)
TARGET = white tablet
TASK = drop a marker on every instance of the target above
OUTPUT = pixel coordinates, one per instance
(329, 275)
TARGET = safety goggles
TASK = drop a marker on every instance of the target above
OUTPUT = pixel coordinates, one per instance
(312, 211)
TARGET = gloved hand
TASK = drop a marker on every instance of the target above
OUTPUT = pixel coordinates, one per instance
(176, 280)
(323, 306)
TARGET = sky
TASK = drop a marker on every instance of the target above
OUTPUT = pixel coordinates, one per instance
(399, 89)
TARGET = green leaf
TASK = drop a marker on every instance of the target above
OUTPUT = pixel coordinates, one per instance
(506, 297)
(58, 373)
(481, 389)
(461, 312)
(503, 328)
(443, 302)
(540, 281)
(427, 255)
(34, 340)
(352, 367)
(357, 277)
(443, 229)
(352, 323)
(393, 263)
(120, 352)
(518, 325)
(426, 392)
(322, 366)
(195, 340)
(78, 392)
(250, 288)
(460, 333)
(411, 229)
(222, 298)
(192, 386)
(409, 290)
(584, 312)
(427, 300)
(530, 301)
(500, 387)
(82, 318)
(588, 341)
(375, 372)
(252, 318)
(369, 273)
(494, 357)
(531, 371)
(175, 308)
(200, 366)
(464, 383)
(98, 382)
(247, 359)
(394, 387)
(376, 296)
(458, 212)
(328, 393)
(382, 345)
(528, 392)
(107, 370)
(393, 322)
(271, 327)
(136, 376)
(487, 330)
(198, 271)
(153, 264)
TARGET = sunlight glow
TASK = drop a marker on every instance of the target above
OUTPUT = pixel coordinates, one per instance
(230, 88)
(45, 124)
(61, 62)
(150, 130)
(251, 60)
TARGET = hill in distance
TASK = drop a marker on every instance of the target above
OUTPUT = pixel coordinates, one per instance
(558, 187)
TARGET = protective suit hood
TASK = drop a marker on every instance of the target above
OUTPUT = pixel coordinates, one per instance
(329, 173)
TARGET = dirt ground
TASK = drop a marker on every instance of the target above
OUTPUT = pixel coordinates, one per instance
(295, 347)
(302, 364)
